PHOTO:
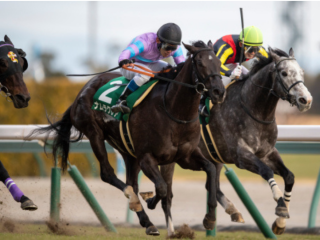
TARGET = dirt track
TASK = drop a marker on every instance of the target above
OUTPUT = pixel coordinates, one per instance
(188, 203)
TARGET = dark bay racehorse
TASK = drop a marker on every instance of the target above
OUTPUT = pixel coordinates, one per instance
(12, 86)
(157, 131)
(245, 131)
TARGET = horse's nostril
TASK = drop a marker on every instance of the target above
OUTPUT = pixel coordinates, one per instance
(303, 100)
(22, 98)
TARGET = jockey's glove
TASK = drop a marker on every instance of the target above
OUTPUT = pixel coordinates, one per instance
(126, 61)
(236, 73)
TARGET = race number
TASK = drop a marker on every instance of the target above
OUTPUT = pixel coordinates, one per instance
(103, 97)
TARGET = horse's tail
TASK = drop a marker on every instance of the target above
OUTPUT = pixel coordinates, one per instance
(61, 142)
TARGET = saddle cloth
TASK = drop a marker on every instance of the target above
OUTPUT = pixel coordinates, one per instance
(108, 95)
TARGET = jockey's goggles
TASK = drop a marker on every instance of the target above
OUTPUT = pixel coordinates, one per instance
(251, 49)
(168, 47)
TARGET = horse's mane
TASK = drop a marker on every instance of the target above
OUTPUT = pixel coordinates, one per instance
(263, 61)
(175, 70)
(2, 42)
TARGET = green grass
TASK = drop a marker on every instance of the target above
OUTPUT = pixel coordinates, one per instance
(41, 232)
(304, 167)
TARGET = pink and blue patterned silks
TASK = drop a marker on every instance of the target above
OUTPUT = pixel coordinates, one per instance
(144, 49)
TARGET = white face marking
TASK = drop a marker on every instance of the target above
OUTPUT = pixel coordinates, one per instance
(301, 93)
(210, 57)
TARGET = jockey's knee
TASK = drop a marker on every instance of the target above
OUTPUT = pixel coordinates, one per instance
(141, 79)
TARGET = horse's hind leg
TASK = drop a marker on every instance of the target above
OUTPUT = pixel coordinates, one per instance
(228, 206)
(107, 172)
(167, 174)
(278, 227)
(132, 172)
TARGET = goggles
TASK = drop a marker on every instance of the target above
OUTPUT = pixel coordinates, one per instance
(168, 47)
(251, 49)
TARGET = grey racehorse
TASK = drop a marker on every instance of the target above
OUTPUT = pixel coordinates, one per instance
(245, 131)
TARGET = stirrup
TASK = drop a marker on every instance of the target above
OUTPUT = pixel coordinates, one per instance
(121, 107)
(203, 111)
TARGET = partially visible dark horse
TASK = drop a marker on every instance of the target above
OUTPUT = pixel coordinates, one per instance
(12, 66)
(12, 86)
(157, 130)
(245, 131)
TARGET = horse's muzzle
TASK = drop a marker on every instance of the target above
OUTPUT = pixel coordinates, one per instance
(20, 101)
(217, 95)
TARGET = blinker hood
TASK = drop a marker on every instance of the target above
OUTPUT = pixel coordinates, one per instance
(8, 52)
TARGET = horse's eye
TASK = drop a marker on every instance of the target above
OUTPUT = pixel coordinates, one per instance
(284, 74)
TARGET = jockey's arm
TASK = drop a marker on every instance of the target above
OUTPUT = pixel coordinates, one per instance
(178, 56)
(224, 53)
(134, 49)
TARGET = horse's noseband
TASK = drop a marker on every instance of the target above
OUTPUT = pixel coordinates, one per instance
(200, 87)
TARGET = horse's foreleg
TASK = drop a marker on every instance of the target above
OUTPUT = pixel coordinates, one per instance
(247, 160)
(197, 162)
(167, 174)
(228, 206)
(132, 172)
(279, 168)
(107, 172)
(149, 166)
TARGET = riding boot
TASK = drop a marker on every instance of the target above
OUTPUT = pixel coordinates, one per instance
(121, 105)
(202, 107)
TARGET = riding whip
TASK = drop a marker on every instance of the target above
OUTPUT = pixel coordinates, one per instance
(242, 48)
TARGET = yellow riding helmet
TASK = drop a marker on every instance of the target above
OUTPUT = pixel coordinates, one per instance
(252, 36)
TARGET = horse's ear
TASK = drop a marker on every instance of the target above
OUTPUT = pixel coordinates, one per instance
(7, 40)
(275, 57)
(210, 45)
(291, 53)
(191, 49)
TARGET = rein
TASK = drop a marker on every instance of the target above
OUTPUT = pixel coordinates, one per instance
(278, 78)
(197, 76)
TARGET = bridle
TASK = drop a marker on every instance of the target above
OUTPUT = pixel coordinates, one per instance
(200, 81)
(278, 78)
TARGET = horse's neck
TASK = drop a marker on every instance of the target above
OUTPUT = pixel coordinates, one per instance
(259, 100)
(183, 100)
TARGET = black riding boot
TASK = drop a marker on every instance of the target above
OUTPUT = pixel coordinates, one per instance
(202, 107)
(121, 105)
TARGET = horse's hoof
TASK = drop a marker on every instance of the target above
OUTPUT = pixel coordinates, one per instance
(208, 224)
(281, 209)
(134, 203)
(146, 195)
(237, 217)
(277, 230)
(152, 230)
(29, 205)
